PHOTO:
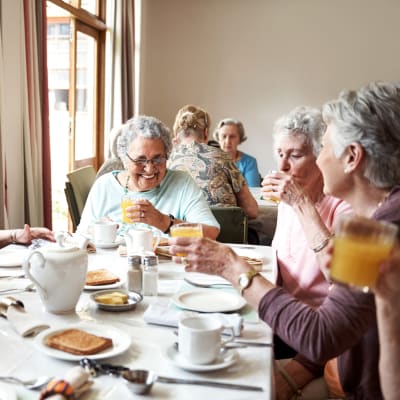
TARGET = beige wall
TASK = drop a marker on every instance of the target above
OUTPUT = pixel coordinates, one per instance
(256, 59)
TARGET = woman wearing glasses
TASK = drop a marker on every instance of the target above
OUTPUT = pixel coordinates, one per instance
(214, 171)
(162, 197)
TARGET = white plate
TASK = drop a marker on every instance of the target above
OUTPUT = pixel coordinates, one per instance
(223, 361)
(121, 342)
(12, 258)
(7, 392)
(209, 300)
(103, 287)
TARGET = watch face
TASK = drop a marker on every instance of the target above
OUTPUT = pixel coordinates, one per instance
(244, 280)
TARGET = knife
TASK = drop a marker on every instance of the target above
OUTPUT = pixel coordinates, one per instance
(223, 385)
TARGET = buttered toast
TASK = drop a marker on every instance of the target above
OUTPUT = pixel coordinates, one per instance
(100, 277)
(77, 341)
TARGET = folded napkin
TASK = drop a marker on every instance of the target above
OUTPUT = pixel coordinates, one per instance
(162, 314)
(23, 322)
(77, 377)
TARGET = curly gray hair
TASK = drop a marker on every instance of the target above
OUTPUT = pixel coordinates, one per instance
(369, 116)
(306, 121)
(230, 121)
(143, 126)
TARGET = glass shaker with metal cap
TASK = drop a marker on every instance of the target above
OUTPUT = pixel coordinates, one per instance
(150, 275)
(135, 279)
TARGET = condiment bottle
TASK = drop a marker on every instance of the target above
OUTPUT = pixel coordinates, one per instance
(135, 280)
(150, 275)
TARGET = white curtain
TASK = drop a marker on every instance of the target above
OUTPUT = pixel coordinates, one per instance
(120, 71)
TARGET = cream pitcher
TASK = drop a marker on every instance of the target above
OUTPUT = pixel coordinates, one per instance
(59, 274)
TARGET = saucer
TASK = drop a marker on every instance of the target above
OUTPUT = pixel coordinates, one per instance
(105, 245)
(225, 360)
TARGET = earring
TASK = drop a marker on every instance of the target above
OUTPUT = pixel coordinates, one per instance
(346, 170)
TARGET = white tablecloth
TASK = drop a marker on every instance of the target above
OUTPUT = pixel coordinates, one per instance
(21, 358)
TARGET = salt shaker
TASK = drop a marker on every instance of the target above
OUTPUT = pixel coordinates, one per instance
(135, 280)
(150, 275)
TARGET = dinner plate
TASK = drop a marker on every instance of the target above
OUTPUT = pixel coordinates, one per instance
(7, 392)
(133, 299)
(209, 300)
(104, 287)
(12, 258)
(225, 360)
(121, 342)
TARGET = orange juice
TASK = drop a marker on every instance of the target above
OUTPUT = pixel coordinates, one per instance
(186, 230)
(356, 259)
(126, 202)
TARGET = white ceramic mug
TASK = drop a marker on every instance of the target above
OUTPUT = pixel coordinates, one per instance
(199, 339)
(105, 232)
(141, 240)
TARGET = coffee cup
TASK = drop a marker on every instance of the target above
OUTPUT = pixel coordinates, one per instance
(199, 339)
(105, 231)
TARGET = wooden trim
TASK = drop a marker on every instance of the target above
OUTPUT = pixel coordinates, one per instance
(83, 15)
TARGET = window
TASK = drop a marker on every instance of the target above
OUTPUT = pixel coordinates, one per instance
(75, 52)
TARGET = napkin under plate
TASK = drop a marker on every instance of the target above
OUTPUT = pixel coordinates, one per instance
(162, 314)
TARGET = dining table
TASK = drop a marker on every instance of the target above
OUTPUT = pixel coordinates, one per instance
(150, 345)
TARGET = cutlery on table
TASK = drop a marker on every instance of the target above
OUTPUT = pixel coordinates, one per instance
(28, 288)
(207, 285)
(32, 384)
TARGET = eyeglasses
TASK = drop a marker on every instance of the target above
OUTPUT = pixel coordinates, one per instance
(142, 162)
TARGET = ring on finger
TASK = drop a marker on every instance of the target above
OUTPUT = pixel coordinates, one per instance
(184, 261)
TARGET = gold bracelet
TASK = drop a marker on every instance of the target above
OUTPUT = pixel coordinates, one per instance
(323, 244)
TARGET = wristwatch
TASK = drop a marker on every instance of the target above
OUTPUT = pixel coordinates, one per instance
(245, 280)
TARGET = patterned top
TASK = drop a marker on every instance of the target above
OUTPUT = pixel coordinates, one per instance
(212, 169)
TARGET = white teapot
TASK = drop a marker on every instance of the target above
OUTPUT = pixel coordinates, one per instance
(59, 273)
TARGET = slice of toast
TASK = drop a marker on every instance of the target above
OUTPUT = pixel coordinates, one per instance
(100, 277)
(77, 341)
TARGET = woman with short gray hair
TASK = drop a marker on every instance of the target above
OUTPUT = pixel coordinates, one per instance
(161, 197)
(229, 134)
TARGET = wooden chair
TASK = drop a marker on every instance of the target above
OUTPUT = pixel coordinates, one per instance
(76, 191)
(233, 222)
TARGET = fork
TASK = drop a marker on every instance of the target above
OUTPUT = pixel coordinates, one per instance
(28, 288)
(31, 384)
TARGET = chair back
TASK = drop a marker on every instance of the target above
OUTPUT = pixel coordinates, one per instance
(233, 222)
(76, 191)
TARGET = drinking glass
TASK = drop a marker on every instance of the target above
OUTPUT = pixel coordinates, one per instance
(360, 246)
(126, 201)
(186, 229)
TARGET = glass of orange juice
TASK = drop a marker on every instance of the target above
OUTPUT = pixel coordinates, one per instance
(360, 246)
(186, 229)
(126, 201)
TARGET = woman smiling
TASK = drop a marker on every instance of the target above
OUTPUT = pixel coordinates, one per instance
(162, 197)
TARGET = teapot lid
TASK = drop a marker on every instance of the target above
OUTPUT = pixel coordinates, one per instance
(61, 246)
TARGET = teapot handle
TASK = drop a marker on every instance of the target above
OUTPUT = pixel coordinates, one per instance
(26, 265)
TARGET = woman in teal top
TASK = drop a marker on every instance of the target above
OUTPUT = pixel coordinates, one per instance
(229, 134)
(164, 197)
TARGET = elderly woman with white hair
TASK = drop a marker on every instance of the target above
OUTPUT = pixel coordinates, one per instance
(163, 197)
(229, 134)
(359, 161)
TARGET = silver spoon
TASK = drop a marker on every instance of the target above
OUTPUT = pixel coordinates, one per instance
(32, 384)
(28, 288)
(140, 381)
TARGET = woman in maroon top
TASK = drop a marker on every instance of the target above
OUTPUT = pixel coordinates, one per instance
(360, 164)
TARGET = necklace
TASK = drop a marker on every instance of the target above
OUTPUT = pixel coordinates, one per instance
(126, 184)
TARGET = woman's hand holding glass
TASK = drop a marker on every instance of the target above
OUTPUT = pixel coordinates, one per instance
(141, 210)
(278, 186)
